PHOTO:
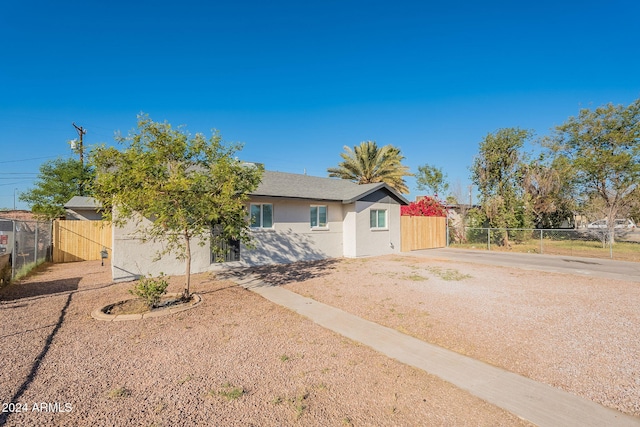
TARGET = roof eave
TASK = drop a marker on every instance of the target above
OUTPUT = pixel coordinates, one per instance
(373, 190)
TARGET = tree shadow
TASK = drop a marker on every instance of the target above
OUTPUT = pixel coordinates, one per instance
(36, 363)
(282, 274)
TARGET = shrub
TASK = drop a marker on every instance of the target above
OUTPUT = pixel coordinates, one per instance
(426, 206)
(150, 289)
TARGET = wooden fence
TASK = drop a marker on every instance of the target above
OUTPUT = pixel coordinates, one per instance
(80, 240)
(422, 232)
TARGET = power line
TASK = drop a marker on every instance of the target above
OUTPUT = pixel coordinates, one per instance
(15, 183)
(26, 160)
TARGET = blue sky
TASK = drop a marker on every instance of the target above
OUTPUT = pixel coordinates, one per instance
(295, 81)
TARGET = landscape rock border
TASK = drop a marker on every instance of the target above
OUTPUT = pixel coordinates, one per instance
(100, 313)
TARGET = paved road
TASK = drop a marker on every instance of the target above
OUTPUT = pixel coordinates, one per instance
(595, 267)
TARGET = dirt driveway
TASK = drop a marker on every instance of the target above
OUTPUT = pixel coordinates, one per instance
(573, 332)
(234, 360)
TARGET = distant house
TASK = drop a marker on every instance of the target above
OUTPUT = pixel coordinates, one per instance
(83, 208)
(292, 217)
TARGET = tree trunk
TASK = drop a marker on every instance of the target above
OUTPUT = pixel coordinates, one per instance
(187, 272)
(505, 240)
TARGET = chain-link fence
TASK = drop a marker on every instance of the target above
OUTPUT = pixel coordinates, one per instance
(23, 245)
(622, 244)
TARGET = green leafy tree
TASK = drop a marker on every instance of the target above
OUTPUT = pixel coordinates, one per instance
(431, 178)
(548, 188)
(58, 181)
(367, 163)
(497, 172)
(603, 148)
(181, 184)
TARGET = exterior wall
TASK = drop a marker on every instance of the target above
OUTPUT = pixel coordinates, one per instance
(349, 235)
(82, 214)
(377, 242)
(133, 258)
(292, 238)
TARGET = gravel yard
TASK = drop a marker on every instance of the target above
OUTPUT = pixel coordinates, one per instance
(573, 332)
(238, 359)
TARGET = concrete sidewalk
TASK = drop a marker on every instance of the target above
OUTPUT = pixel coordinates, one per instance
(535, 402)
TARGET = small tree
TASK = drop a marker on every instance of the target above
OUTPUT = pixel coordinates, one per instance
(548, 189)
(497, 172)
(431, 178)
(181, 184)
(58, 181)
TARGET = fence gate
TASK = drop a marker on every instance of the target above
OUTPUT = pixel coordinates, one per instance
(80, 240)
(422, 232)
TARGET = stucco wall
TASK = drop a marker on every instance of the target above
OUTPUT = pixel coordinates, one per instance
(349, 237)
(371, 242)
(292, 238)
(82, 214)
(133, 258)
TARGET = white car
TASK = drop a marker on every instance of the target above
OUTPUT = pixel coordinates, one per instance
(620, 223)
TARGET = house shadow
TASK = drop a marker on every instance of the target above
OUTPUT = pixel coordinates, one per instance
(282, 247)
(282, 257)
(18, 291)
(278, 274)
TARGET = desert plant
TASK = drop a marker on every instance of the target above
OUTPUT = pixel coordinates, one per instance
(299, 403)
(119, 392)
(228, 391)
(150, 289)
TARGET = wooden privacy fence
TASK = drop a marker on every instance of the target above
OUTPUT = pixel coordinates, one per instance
(80, 240)
(422, 232)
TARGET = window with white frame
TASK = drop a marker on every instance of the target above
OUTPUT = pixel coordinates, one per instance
(378, 218)
(261, 215)
(318, 214)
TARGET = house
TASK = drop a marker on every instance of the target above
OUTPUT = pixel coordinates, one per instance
(83, 208)
(292, 218)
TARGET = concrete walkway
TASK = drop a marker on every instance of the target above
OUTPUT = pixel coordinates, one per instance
(535, 402)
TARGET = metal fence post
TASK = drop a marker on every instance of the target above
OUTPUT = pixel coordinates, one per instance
(488, 239)
(35, 244)
(14, 258)
(541, 241)
(447, 237)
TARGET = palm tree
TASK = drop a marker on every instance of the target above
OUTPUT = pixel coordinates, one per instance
(367, 163)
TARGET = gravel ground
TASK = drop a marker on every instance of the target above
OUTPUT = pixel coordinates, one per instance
(238, 359)
(576, 333)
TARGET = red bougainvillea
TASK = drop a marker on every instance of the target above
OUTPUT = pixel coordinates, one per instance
(427, 206)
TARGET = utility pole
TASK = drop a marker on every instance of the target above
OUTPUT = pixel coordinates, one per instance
(81, 132)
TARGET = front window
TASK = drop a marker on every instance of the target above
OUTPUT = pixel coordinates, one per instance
(318, 215)
(378, 218)
(261, 215)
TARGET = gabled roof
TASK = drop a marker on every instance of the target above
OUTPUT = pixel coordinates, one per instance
(82, 202)
(290, 185)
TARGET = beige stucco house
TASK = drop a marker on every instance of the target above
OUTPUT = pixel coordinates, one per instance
(292, 218)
